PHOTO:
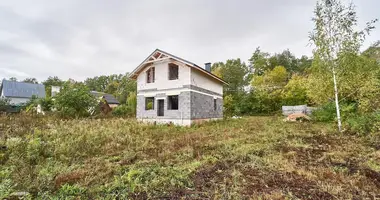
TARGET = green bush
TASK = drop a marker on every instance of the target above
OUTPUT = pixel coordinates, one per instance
(132, 102)
(363, 123)
(327, 113)
(46, 104)
(122, 111)
(4, 103)
(75, 100)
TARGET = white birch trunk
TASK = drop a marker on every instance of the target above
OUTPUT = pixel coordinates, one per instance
(337, 101)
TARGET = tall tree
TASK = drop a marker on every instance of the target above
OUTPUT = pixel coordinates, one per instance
(333, 36)
(234, 72)
(13, 79)
(30, 80)
(259, 62)
(52, 81)
(373, 51)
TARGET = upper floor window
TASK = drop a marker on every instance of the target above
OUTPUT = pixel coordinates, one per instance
(173, 71)
(150, 75)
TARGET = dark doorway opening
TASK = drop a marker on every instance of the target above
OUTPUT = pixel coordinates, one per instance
(160, 110)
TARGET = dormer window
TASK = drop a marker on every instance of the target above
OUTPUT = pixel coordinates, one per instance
(173, 71)
(150, 75)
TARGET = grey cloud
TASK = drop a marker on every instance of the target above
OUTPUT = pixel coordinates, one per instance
(83, 38)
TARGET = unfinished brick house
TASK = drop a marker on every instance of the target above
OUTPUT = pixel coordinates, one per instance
(173, 90)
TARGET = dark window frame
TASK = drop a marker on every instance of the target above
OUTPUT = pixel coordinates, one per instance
(173, 71)
(215, 104)
(147, 99)
(150, 75)
(173, 105)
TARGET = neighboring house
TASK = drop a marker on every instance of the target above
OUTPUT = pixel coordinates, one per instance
(173, 90)
(19, 92)
(107, 101)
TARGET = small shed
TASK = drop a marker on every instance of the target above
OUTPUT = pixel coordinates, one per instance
(106, 101)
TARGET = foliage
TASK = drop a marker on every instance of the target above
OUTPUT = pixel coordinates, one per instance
(132, 102)
(119, 85)
(363, 123)
(337, 45)
(75, 100)
(5, 182)
(271, 90)
(30, 80)
(4, 103)
(274, 78)
(46, 103)
(118, 158)
(295, 91)
(326, 113)
(122, 111)
(31, 104)
(52, 81)
(228, 105)
(234, 72)
(261, 62)
(67, 191)
(373, 51)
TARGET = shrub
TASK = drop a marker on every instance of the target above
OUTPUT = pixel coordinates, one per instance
(228, 106)
(46, 104)
(75, 100)
(363, 123)
(132, 102)
(4, 103)
(122, 110)
(295, 92)
(327, 113)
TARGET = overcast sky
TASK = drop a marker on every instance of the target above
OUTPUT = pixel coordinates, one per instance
(85, 38)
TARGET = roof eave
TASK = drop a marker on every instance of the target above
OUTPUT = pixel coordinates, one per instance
(134, 74)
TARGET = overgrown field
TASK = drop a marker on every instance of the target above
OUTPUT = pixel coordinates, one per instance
(249, 158)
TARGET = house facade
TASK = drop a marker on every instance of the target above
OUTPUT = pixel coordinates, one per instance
(173, 90)
(19, 92)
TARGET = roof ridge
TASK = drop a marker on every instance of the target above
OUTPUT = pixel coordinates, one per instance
(180, 59)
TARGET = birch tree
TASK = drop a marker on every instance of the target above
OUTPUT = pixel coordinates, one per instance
(334, 34)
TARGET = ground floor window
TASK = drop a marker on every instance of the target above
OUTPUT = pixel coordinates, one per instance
(149, 103)
(215, 106)
(173, 102)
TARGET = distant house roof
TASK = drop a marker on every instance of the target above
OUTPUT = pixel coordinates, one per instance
(160, 55)
(21, 89)
(108, 97)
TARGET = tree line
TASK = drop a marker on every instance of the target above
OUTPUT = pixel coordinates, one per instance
(339, 79)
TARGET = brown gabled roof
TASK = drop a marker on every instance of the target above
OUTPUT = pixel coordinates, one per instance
(137, 71)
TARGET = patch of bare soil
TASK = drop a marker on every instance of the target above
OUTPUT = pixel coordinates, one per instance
(312, 156)
(68, 178)
(257, 182)
(265, 182)
(365, 180)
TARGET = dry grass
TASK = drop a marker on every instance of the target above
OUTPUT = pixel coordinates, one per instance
(255, 157)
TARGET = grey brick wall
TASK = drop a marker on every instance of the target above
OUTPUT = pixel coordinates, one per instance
(183, 107)
(202, 106)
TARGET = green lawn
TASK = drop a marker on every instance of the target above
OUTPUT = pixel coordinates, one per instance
(254, 157)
